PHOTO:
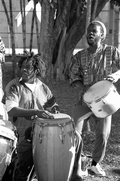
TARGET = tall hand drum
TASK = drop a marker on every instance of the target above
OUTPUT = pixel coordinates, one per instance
(102, 98)
(54, 148)
(8, 142)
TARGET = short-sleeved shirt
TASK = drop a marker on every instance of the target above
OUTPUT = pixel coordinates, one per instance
(18, 94)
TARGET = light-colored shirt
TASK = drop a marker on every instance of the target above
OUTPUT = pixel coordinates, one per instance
(19, 94)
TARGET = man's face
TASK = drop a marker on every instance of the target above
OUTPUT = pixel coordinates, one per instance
(94, 34)
(27, 71)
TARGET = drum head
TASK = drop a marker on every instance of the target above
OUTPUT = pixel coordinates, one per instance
(58, 118)
(97, 91)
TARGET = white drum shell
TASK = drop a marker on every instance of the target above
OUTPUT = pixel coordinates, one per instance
(107, 105)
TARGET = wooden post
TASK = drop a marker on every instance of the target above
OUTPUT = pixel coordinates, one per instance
(111, 25)
(119, 30)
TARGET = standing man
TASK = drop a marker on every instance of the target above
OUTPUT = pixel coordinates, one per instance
(87, 67)
(27, 98)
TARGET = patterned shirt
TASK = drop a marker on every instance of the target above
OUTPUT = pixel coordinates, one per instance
(90, 68)
(19, 94)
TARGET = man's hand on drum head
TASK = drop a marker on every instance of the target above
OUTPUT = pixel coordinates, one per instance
(44, 114)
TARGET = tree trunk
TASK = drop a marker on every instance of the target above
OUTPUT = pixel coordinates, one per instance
(12, 40)
(32, 27)
(22, 9)
(59, 67)
(94, 10)
(88, 14)
(10, 23)
(46, 36)
(37, 29)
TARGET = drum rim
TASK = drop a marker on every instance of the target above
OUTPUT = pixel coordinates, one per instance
(7, 133)
(53, 122)
(97, 100)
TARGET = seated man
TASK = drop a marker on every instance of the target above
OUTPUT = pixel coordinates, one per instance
(27, 98)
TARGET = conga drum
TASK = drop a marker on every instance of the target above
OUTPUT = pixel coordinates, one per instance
(54, 148)
(8, 142)
(102, 98)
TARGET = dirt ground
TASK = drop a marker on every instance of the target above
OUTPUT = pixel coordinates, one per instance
(66, 98)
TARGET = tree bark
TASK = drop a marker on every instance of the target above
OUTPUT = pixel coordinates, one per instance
(12, 40)
(32, 27)
(93, 13)
(22, 9)
(46, 36)
(37, 29)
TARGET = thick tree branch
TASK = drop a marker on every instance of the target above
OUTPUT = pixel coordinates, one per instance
(78, 29)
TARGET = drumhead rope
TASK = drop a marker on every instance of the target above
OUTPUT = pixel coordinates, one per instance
(57, 123)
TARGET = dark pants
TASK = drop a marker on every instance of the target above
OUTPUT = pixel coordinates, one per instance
(24, 164)
(103, 128)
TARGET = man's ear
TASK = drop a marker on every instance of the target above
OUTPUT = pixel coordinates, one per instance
(102, 35)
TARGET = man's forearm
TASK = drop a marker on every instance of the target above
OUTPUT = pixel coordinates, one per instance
(21, 112)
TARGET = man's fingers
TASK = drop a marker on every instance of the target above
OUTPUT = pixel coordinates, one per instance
(47, 115)
(111, 79)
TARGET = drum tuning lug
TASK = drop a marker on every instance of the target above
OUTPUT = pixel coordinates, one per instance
(62, 138)
(41, 138)
(8, 159)
(103, 102)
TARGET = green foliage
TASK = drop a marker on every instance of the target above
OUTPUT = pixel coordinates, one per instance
(115, 2)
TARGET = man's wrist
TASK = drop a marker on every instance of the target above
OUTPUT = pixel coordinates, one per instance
(36, 112)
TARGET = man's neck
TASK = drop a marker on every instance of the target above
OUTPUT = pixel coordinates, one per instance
(93, 48)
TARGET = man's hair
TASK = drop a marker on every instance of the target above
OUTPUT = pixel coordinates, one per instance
(37, 62)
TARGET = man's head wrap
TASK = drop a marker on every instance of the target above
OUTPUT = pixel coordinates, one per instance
(102, 26)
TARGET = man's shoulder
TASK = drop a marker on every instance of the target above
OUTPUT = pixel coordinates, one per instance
(13, 82)
(80, 52)
(39, 82)
(110, 47)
